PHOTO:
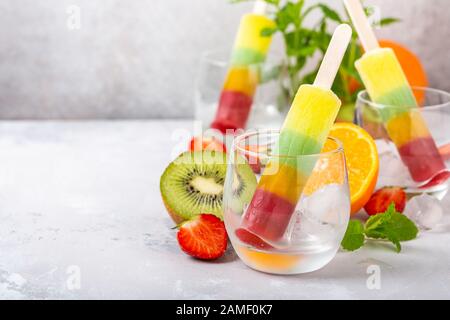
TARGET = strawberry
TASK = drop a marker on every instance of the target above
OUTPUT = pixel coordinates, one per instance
(207, 143)
(203, 237)
(381, 199)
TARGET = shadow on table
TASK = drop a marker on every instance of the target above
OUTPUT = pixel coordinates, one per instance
(351, 265)
(229, 256)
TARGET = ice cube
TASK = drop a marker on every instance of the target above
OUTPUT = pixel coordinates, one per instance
(321, 215)
(425, 211)
(392, 170)
(309, 231)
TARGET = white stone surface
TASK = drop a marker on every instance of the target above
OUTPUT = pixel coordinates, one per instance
(84, 196)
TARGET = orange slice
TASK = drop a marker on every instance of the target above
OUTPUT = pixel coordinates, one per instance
(328, 170)
(362, 162)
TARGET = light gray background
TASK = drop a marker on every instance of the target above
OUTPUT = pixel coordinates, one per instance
(138, 59)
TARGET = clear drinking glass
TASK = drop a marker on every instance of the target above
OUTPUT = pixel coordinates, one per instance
(310, 235)
(409, 164)
(268, 110)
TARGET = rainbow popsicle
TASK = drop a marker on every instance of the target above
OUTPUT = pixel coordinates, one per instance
(250, 50)
(304, 132)
(387, 85)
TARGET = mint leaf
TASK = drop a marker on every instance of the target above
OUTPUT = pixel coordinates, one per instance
(379, 220)
(289, 14)
(392, 237)
(330, 13)
(354, 236)
(402, 227)
(274, 2)
(268, 32)
(392, 226)
(393, 223)
(387, 21)
(375, 234)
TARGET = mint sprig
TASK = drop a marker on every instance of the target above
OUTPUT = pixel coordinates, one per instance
(391, 225)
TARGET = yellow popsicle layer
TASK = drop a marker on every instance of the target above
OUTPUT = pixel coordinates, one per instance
(282, 180)
(385, 80)
(311, 117)
(249, 34)
(242, 79)
(406, 127)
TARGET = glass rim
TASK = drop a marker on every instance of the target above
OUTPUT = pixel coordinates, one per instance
(415, 88)
(242, 137)
(210, 56)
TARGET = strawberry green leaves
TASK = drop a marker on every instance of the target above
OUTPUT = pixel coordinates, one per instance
(391, 226)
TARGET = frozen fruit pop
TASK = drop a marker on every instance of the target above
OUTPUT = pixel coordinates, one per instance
(250, 50)
(304, 132)
(387, 85)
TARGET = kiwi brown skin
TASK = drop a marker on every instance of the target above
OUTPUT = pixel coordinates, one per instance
(177, 219)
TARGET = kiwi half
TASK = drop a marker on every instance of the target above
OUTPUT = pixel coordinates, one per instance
(194, 183)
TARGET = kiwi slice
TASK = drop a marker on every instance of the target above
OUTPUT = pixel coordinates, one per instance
(194, 183)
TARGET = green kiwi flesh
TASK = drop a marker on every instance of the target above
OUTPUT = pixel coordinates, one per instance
(194, 182)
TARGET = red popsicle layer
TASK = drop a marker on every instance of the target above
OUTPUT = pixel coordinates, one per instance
(422, 158)
(269, 216)
(233, 111)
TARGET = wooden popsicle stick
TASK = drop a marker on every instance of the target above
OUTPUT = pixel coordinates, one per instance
(260, 8)
(362, 25)
(333, 57)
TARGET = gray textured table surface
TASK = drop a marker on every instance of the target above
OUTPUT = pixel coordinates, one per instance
(81, 217)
